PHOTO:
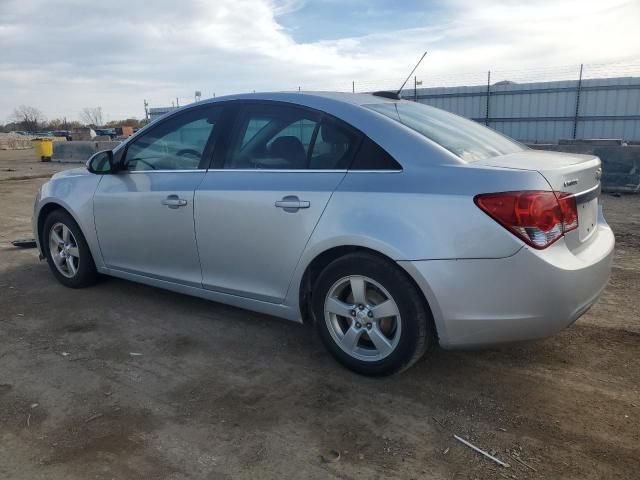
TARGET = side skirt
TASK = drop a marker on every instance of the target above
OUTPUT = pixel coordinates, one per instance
(277, 310)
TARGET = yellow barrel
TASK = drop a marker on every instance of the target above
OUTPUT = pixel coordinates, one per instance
(43, 148)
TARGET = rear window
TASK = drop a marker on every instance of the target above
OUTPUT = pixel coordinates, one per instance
(465, 138)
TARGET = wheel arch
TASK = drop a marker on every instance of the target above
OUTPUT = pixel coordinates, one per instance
(44, 212)
(324, 258)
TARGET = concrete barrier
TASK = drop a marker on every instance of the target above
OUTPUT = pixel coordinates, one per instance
(620, 163)
(80, 151)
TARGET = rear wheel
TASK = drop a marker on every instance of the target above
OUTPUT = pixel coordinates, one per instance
(67, 252)
(370, 315)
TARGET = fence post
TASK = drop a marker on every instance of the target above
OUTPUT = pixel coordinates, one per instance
(415, 89)
(575, 118)
(353, 86)
(486, 118)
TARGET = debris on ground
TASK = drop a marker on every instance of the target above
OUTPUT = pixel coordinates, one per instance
(438, 422)
(331, 456)
(479, 450)
(24, 243)
(523, 463)
(94, 417)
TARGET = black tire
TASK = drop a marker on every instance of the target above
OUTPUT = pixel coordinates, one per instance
(417, 331)
(86, 274)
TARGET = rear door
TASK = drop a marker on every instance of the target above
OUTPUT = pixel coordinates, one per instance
(144, 213)
(255, 213)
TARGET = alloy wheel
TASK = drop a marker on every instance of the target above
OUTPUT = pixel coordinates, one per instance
(64, 251)
(363, 318)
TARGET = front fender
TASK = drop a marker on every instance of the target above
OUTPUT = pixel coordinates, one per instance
(74, 193)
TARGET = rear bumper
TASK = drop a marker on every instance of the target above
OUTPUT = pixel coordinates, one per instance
(532, 294)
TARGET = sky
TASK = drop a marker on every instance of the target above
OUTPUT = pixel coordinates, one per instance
(63, 55)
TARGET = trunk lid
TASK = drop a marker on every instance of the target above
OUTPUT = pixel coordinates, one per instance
(565, 172)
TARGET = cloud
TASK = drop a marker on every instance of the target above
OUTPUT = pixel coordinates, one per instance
(66, 55)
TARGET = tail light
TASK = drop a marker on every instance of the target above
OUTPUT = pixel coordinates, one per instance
(537, 217)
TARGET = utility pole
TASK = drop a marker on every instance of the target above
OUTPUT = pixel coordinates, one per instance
(415, 88)
(486, 118)
(177, 102)
(146, 110)
(353, 86)
(575, 118)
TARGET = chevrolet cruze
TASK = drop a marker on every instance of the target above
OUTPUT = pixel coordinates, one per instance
(391, 225)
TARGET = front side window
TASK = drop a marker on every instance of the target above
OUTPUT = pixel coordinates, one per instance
(465, 138)
(178, 143)
(280, 137)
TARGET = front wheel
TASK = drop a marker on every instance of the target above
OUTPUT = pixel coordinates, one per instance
(67, 252)
(370, 315)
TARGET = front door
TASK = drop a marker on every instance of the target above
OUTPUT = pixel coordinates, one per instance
(144, 213)
(255, 215)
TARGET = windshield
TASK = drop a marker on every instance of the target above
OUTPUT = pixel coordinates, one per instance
(465, 138)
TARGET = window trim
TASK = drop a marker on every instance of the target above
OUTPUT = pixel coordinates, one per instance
(195, 170)
(209, 148)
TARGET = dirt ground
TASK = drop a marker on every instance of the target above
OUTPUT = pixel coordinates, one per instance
(124, 381)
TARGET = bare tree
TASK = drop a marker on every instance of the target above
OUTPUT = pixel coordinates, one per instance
(28, 117)
(91, 116)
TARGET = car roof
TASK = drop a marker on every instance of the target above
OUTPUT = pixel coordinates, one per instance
(304, 96)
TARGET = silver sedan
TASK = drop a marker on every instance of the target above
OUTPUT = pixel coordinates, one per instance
(391, 225)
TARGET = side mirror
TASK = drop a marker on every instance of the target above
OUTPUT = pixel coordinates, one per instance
(101, 163)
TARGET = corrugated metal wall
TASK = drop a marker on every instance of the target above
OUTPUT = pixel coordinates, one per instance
(545, 112)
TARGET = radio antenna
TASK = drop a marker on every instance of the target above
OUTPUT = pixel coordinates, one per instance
(414, 69)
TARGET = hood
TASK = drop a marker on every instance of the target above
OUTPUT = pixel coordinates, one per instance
(72, 172)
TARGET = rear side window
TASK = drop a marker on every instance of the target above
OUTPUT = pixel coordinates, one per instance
(465, 138)
(333, 146)
(371, 156)
(279, 137)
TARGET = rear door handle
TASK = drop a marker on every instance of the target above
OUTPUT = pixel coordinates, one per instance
(173, 201)
(291, 203)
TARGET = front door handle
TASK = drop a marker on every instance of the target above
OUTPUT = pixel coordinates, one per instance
(173, 201)
(291, 203)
